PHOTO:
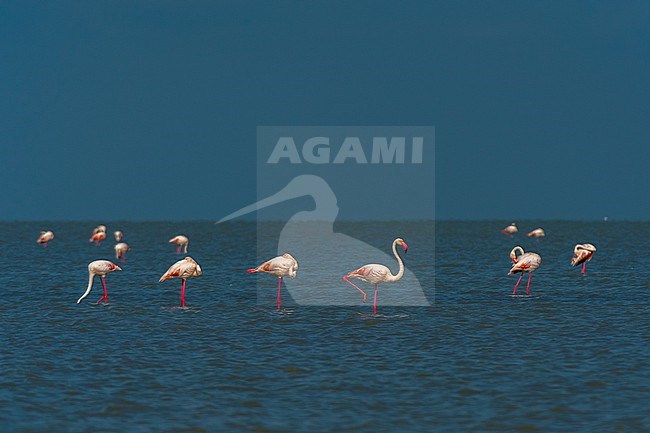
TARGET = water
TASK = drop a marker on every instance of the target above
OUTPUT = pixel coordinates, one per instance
(572, 356)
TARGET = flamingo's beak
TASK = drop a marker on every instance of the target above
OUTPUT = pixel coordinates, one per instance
(405, 247)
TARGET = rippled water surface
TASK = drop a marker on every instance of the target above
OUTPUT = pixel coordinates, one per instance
(572, 356)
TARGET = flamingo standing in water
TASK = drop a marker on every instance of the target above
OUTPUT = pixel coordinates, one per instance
(537, 233)
(181, 241)
(183, 269)
(526, 262)
(45, 238)
(375, 274)
(101, 268)
(118, 235)
(120, 251)
(510, 230)
(97, 238)
(582, 253)
(281, 266)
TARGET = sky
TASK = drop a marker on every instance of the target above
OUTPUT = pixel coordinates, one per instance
(148, 110)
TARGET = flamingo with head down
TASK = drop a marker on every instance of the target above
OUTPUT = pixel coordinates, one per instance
(537, 233)
(101, 268)
(526, 262)
(281, 266)
(45, 238)
(510, 230)
(182, 242)
(120, 251)
(375, 273)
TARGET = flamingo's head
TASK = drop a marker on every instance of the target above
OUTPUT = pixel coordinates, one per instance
(401, 243)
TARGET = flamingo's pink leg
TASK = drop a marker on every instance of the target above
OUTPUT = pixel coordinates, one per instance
(514, 291)
(584, 265)
(104, 298)
(355, 286)
(183, 293)
(530, 275)
(277, 299)
(178, 250)
(374, 302)
(45, 245)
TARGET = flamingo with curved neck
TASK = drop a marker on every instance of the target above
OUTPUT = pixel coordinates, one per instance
(101, 268)
(525, 262)
(582, 253)
(376, 273)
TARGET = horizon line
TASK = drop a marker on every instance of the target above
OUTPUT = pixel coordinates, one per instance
(248, 220)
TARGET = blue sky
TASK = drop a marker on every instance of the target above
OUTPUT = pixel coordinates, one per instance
(149, 109)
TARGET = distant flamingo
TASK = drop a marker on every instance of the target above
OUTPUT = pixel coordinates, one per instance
(375, 274)
(97, 238)
(45, 238)
(281, 266)
(120, 251)
(582, 253)
(118, 235)
(181, 241)
(537, 233)
(183, 269)
(510, 230)
(526, 262)
(99, 229)
(101, 268)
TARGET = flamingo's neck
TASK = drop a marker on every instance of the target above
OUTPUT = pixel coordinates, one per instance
(400, 273)
(513, 253)
(90, 285)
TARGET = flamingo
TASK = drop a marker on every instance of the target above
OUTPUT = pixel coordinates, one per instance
(45, 238)
(181, 241)
(375, 274)
(537, 233)
(526, 262)
(120, 250)
(97, 238)
(510, 230)
(99, 229)
(101, 268)
(183, 269)
(281, 266)
(582, 253)
(118, 235)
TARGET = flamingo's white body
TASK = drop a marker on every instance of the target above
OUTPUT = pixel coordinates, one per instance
(120, 250)
(182, 242)
(376, 273)
(118, 235)
(45, 238)
(537, 233)
(582, 253)
(281, 266)
(510, 230)
(101, 268)
(97, 237)
(99, 229)
(526, 262)
(183, 269)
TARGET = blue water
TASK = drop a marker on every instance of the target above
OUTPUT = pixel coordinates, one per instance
(572, 356)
